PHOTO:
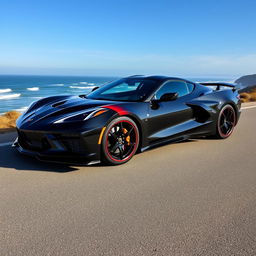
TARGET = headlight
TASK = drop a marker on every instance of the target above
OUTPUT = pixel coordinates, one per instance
(81, 116)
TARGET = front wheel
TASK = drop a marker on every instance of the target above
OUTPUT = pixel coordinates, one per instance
(226, 122)
(120, 141)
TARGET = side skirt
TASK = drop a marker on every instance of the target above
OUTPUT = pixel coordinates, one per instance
(165, 142)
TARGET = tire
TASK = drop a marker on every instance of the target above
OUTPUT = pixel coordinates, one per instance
(226, 122)
(120, 141)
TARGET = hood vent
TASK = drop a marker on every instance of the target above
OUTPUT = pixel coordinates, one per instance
(55, 105)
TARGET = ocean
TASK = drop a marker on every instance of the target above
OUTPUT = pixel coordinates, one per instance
(17, 92)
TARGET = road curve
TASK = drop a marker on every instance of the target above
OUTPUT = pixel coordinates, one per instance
(190, 198)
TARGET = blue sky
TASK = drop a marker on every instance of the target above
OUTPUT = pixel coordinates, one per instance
(123, 37)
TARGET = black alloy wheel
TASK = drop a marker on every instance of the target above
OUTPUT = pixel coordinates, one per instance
(120, 141)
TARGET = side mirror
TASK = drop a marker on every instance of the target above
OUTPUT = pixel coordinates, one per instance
(169, 96)
(165, 97)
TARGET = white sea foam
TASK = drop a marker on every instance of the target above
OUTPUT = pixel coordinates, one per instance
(83, 83)
(57, 84)
(207, 82)
(9, 96)
(33, 89)
(5, 90)
(37, 98)
(22, 109)
(81, 87)
(91, 83)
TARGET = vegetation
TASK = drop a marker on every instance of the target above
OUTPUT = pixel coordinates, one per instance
(8, 120)
(249, 96)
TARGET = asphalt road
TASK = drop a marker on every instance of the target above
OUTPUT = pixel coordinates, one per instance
(191, 198)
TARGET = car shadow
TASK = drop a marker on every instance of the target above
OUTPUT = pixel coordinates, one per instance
(163, 144)
(10, 158)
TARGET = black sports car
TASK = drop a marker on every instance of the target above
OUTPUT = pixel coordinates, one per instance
(115, 121)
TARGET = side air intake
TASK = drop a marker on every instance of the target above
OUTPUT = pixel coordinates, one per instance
(200, 114)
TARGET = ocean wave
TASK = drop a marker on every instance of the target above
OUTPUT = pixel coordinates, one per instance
(22, 109)
(81, 87)
(5, 90)
(33, 89)
(57, 84)
(37, 98)
(86, 83)
(9, 96)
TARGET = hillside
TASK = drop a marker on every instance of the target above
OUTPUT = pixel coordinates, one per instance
(246, 81)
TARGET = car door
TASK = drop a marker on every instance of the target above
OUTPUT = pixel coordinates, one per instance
(167, 118)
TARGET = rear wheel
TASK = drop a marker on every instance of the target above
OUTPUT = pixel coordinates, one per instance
(226, 122)
(120, 141)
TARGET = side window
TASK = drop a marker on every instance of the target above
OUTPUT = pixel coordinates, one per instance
(171, 87)
(190, 87)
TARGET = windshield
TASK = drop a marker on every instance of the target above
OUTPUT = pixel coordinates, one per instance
(126, 89)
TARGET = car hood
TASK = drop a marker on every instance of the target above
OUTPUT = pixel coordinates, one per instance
(50, 109)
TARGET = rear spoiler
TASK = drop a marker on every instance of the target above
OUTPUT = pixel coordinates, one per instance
(218, 85)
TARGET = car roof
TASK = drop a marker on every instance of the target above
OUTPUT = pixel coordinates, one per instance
(158, 78)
